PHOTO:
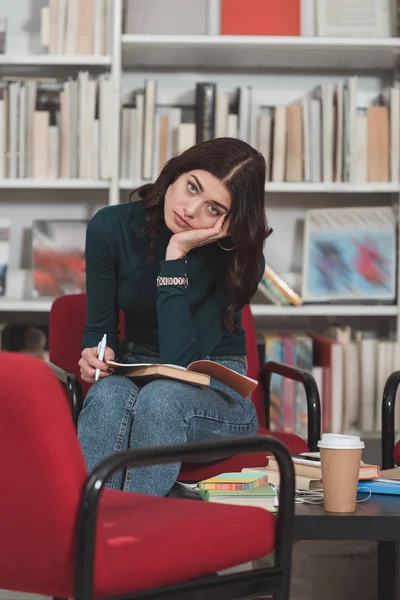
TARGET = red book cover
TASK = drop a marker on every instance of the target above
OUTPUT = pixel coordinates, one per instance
(260, 17)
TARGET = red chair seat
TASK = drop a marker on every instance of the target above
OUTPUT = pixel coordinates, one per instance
(199, 471)
(141, 533)
(396, 454)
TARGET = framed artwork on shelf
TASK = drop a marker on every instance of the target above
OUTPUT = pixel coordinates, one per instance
(350, 254)
(58, 257)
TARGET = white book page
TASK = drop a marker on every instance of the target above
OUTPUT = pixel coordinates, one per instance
(117, 364)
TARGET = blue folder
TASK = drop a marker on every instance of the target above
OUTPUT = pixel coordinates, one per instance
(379, 487)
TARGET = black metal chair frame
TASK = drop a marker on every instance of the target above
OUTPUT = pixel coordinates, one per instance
(251, 584)
(311, 391)
(388, 416)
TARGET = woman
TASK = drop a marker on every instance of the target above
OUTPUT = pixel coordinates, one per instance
(202, 223)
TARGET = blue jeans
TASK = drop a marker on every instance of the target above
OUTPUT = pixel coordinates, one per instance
(118, 414)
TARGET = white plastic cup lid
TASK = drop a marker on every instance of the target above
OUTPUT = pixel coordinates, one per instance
(340, 441)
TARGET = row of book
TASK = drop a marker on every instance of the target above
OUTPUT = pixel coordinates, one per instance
(52, 128)
(77, 26)
(326, 137)
(151, 133)
(322, 137)
(350, 368)
(331, 18)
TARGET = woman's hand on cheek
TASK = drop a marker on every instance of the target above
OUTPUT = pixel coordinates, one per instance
(181, 243)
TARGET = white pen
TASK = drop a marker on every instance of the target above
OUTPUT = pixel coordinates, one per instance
(100, 353)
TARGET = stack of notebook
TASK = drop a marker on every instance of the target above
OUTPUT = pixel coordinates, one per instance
(387, 483)
(308, 472)
(246, 489)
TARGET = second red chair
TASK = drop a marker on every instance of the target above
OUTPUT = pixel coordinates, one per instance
(67, 320)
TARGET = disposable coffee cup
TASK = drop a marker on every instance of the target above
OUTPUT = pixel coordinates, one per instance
(340, 463)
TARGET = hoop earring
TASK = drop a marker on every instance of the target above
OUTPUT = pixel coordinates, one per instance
(223, 248)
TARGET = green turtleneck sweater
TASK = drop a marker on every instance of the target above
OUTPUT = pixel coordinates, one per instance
(179, 324)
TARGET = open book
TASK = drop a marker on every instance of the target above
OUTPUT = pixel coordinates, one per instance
(198, 372)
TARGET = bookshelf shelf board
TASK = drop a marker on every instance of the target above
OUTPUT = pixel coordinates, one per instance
(333, 188)
(54, 184)
(258, 52)
(55, 60)
(127, 184)
(307, 187)
(37, 306)
(324, 310)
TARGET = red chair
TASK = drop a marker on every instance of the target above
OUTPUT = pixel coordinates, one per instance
(67, 320)
(63, 534)
(390, 450)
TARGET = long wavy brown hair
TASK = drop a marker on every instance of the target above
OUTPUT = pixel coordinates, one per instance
(243, 172)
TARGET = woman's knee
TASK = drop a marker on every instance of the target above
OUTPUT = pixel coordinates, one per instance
(162, 398)
(110, 392)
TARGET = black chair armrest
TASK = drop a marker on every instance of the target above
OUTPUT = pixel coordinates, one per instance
(388, 428)
(86, 525)
(74, 389)
(312, 395)
(261, 352)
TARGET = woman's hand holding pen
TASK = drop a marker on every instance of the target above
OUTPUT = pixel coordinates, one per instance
(184, 241)
(89, 362)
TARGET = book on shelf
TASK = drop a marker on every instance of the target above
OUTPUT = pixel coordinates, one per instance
(198, 372)
(55, 128)
(260, 17)
(276, 290)
(3, 34)
(282, 286)
(159, 17)
(77, 27)
(205, 111)
(354, 18)
(5, 244)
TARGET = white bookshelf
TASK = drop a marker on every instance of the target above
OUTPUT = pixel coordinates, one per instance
(25, 306)
(178, 61)
(325, 310)
(258, 310)
(306, 188)
(54, 60)
(257, 52)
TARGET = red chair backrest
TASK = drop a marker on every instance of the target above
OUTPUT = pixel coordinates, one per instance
(42, 476)
(253, 362)
(67, 321)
